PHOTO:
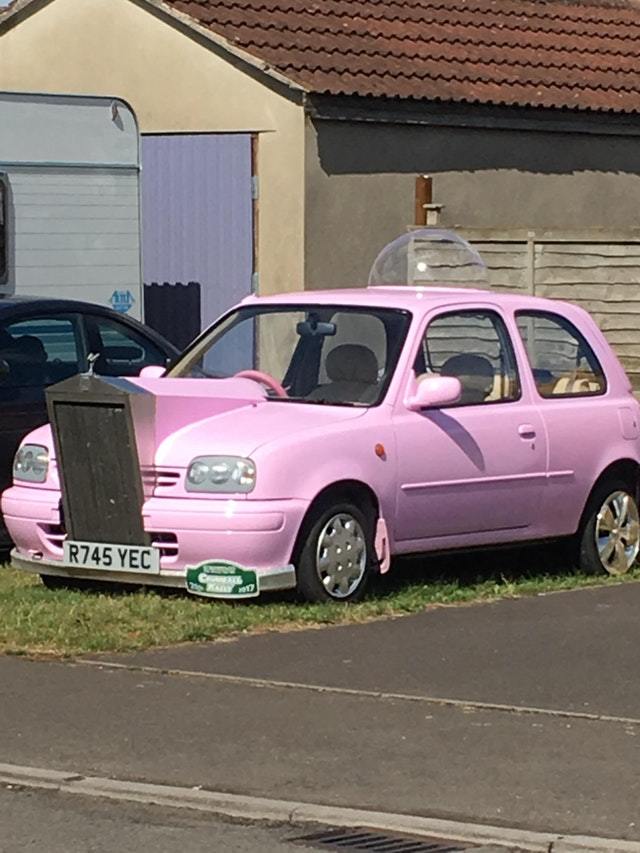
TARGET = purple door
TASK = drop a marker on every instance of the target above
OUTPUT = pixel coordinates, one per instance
(197, 228)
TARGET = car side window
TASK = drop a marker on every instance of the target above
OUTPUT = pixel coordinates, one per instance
(39, 351)
(473, 346)
(122, 350)
(562, 362)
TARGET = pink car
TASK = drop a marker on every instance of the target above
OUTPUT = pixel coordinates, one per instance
(305, 439)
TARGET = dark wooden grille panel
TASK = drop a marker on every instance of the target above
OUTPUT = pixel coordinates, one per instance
(100, 473)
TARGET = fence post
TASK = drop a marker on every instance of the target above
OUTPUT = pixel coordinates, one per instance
(423, 198)
(531, 262)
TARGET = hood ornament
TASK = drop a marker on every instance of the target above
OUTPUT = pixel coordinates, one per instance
(91, 360)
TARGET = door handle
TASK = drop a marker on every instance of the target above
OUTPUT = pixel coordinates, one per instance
(526, 431)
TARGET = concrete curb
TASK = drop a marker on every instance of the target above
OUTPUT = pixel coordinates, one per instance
(286, 811)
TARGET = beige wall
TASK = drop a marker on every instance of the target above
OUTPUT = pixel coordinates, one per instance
(174, 83)
(349, 216)
(360, 180)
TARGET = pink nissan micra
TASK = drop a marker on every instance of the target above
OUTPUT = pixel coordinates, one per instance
(305, 439)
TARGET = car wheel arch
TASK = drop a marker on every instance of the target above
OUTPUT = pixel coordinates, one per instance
(627, 470)
(356, 491)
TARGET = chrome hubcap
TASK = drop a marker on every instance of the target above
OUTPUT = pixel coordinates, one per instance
(341, 556)
(618, 533)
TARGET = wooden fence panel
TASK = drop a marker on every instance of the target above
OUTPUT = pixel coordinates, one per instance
(598, 270)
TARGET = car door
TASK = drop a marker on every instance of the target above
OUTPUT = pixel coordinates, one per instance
(122, 350)
(36, 351)
(577, 411)
(473, 472)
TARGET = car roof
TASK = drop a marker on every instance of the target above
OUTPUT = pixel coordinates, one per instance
(409, 297)
(51, 304)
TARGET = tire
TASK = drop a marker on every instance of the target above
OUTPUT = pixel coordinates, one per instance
(340, 571)
(609, 536)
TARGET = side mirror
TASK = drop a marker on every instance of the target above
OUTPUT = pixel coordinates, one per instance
(152, 371)
(5, 370)
(433, 392)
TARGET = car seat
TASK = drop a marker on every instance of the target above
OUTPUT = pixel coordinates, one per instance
(6, 340)
(353, 373)
(475, 373)
(6, 344)
(27, 359)
(577, 384)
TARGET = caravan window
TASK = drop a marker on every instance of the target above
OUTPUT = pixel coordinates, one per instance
(4, 237)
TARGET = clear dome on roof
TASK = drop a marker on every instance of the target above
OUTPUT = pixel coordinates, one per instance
(429, 256)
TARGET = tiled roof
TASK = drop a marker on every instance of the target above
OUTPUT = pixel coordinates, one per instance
(549, 53)
(12, 6)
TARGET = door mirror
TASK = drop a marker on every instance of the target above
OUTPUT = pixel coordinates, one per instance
(432, 392)
(152, 371)
(5, 370)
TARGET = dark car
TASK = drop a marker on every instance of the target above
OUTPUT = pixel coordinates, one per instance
(43, 341)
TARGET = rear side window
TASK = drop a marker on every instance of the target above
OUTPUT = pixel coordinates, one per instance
(562, 362)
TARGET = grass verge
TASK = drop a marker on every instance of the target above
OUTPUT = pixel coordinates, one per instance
(34, 620)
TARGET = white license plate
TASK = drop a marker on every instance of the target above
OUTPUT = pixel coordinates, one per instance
(113, 558)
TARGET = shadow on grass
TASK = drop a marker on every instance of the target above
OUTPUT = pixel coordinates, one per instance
(509, 564)
(505, 564)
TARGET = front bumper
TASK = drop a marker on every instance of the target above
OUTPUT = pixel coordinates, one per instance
(270, 579)
(257, 535)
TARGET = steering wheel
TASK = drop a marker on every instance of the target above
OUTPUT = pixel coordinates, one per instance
(265, 379)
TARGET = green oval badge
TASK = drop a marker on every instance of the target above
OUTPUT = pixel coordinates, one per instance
(220, 579)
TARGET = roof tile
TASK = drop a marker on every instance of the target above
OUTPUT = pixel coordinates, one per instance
(550, 53)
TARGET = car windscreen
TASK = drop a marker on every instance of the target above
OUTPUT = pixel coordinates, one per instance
(336, 354)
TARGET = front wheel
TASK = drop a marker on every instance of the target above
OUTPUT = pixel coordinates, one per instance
(336, 554)
(609, 538)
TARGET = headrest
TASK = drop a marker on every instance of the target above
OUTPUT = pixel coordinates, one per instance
(122, 353)
(475, 374)
(352, 363)
(467, 365)
(31, 348)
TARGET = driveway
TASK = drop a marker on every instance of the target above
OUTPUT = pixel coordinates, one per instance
(520, 712)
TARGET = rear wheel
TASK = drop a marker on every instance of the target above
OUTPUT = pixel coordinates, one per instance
(336, 552)
(609, 538)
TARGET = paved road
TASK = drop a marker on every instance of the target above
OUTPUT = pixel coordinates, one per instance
(46, 822)
(42, 822)
(560, 656)
(573, 651)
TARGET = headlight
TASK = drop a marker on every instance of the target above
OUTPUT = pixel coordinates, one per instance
(31, 463)
(221, 474)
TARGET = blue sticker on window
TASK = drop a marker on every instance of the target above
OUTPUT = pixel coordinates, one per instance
(122, 301)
